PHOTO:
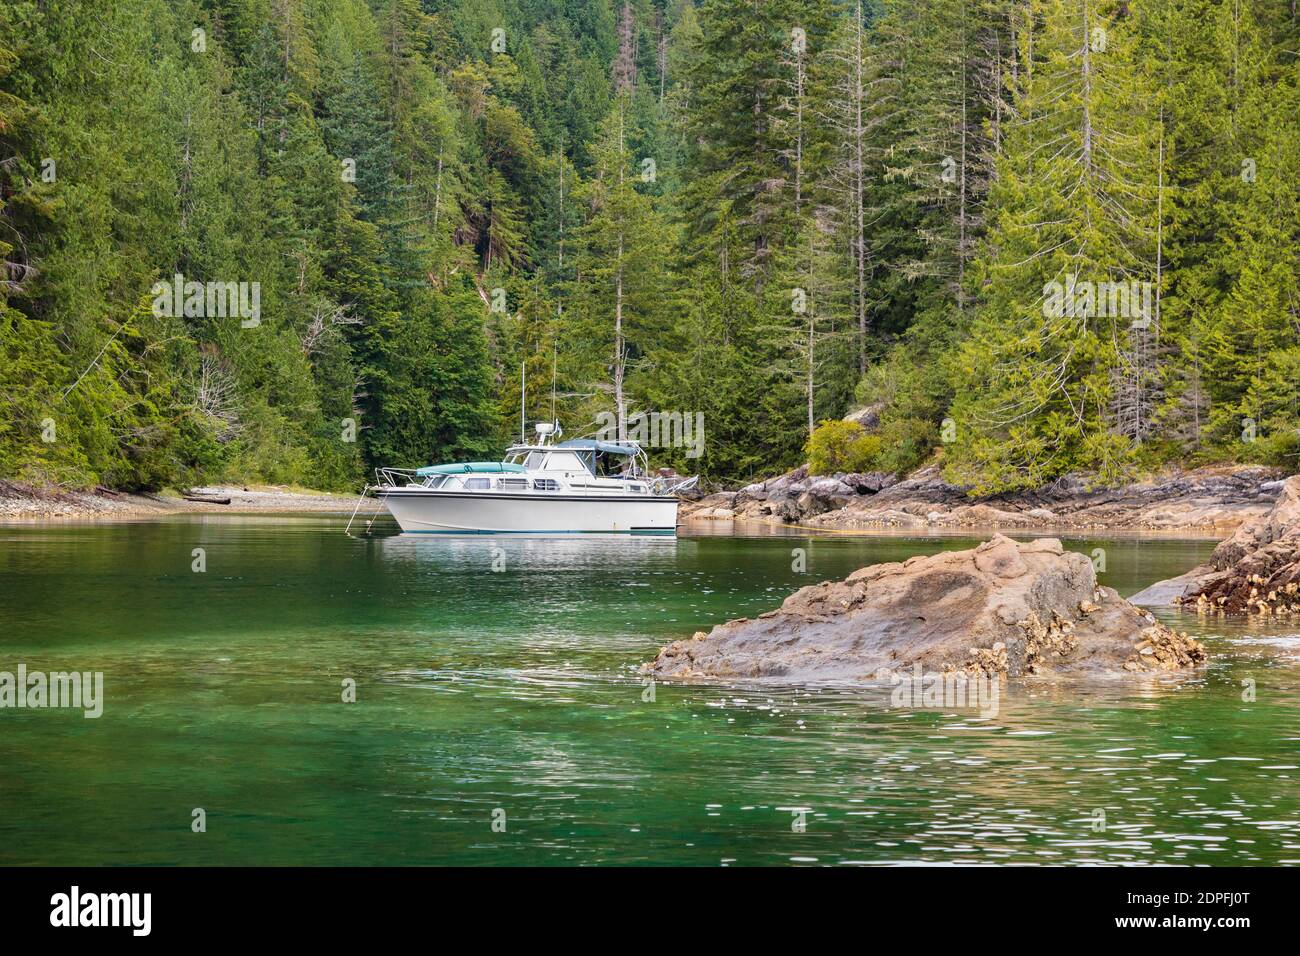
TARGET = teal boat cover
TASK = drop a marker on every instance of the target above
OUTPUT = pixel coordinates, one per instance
(604, 447)
(467, 467)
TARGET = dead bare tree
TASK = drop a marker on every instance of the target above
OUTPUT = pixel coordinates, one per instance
(215, 397)
(325, 319)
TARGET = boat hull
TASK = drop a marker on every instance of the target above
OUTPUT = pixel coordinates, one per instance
(538, 513)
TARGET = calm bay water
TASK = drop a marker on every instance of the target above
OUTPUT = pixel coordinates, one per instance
(517, 691)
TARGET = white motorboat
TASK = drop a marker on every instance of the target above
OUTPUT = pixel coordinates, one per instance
(547, 487)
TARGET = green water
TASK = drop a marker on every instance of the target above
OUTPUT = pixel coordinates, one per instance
(516, 692)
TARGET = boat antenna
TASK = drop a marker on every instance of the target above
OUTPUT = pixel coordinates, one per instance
(523, 399)
(553, 373)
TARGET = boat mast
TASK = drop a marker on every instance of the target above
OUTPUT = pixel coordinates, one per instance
(523, 398)
(554, 365)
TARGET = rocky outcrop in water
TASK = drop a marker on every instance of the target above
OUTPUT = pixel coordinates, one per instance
(1000, 609)
(1256, 571)
(1207, 498)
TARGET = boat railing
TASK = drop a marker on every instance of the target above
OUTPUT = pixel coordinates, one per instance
(395, 477)
(674, 485)
(671, 485)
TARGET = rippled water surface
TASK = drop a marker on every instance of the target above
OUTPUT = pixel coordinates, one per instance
(513, 694)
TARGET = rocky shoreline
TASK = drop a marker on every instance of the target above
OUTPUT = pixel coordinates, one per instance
(1256, 571)
(21, 502)
(1211, 500)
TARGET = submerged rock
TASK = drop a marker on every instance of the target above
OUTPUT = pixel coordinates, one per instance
(1174, 590)
(1001, 608)
(1256, 571)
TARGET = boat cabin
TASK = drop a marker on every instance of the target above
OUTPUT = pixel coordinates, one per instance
(598, 458)
(583, 465)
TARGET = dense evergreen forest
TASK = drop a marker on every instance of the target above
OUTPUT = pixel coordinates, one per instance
(1035, 236)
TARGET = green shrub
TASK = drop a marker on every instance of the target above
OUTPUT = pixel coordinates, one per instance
(904, 444)
(841, 446)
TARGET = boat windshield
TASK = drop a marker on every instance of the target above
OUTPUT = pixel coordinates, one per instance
(534, 460)
(611, 466)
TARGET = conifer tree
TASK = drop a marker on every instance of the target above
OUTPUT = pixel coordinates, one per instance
(1073, 217)
(618, 263)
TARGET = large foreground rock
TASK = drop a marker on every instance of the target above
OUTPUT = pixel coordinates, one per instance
(1001, 608)
(1256, 571)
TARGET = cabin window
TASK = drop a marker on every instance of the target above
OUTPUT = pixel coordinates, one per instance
(545, 484)
(636, 489)
(534, 460)
(437, 481)
(478, 484)
(513, 484)
(564, 461)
